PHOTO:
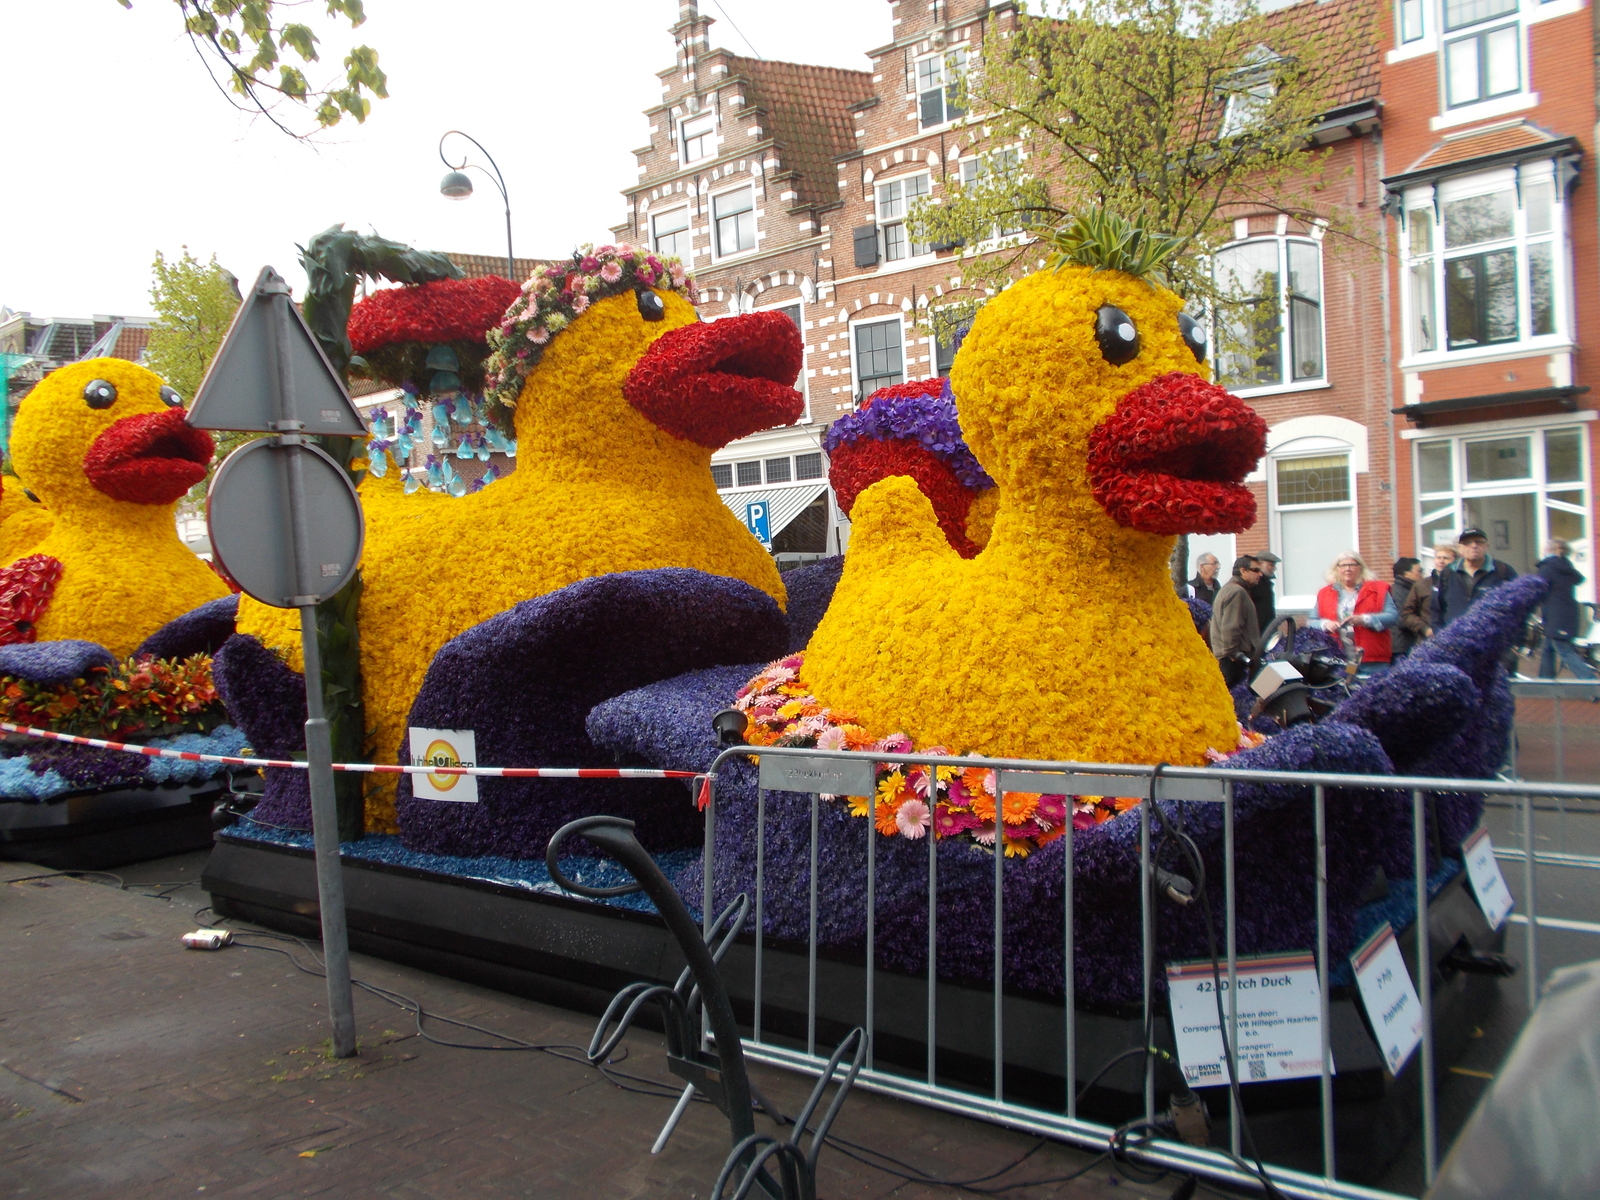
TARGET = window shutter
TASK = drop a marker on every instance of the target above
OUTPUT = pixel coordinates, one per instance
(866, 238)
(953, 244)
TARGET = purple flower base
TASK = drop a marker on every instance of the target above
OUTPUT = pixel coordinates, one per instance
(48, 663)
(267, 701)
(810, 591)
(201, 630)
(1460, 685)
(526, 680)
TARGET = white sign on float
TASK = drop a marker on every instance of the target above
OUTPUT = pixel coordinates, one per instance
(1280, 1019)
(444, 748)
(1488, 884)
(1388, 995)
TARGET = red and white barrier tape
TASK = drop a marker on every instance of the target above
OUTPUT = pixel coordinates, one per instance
(357, 768)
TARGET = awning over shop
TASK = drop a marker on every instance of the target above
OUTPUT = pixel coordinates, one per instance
(1563, 399)
(784, 504)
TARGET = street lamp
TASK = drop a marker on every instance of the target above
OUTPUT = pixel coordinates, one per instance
(458, 186)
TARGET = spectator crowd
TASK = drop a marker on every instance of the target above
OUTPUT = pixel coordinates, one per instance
(1377, 623)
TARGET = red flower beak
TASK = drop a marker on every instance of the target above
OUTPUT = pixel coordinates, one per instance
(149, 458)
(1173, 456)
(715, 382)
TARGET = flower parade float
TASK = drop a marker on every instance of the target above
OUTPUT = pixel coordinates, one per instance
(107, 623)
(1005, 594)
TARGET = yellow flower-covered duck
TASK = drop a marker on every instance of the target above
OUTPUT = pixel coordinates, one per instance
(1080, 391)
(108, 450)
(620, 395)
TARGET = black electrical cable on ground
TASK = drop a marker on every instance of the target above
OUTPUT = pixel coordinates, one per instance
(651, 1087)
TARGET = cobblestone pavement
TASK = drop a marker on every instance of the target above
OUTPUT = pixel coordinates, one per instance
(130, 1067)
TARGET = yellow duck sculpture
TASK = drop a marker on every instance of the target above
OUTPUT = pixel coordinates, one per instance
(1080, 391)
(617, 408)
(108, 451)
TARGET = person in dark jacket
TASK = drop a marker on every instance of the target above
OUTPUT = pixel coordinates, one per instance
(1473, 574)
(1560, 613)
(1233, 631)
(1261, 590)
(1407, 575)
(1205, 585)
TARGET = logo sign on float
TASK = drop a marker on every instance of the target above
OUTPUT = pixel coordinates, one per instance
(757, 518)
(444, 748)
(1280, 1019)
(1388, 996)
(1488, 884)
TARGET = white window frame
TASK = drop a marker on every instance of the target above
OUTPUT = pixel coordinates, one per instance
(888, 219)
(1286, 382)
(857, 386)
(953, 63)
(690, 130)
(802, 384)
(687, 255)
(755, 223)
(1437, 505)
(1291, 451)
(972, 168)
(1432, 200)
(1424, 21)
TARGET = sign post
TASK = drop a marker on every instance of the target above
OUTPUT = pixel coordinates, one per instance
(270, 376)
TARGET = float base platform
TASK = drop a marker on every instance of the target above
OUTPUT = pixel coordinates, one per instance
(99, 830)
(577, 954)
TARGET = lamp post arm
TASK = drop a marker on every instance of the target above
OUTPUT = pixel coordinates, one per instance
(500, 182)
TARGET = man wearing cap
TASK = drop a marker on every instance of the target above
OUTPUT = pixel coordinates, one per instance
(1234, 631)
(1470, 576)
(1261, 591)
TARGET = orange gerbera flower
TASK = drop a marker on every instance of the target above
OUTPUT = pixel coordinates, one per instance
(884, 819)
(1124, 803)
(973, 779)
(1020, 807)
(983, 806)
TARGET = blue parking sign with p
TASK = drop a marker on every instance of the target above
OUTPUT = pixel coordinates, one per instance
(756, 520)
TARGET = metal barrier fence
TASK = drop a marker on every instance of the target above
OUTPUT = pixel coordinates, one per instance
(818, 772)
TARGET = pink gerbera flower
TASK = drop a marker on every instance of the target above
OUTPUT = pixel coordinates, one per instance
(984, 833)
(589, 263)
(831, 738)
(793, 662)
(897, 743)
(539, 337)
(911, 818)
(580, 302)
(611, 272)
(1051, 812)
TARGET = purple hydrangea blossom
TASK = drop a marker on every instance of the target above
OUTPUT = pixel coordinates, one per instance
(267, 701)
(54, 662)
(928, 420)
(199, 631)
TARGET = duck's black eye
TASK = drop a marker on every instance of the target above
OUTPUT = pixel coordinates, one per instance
(651, 306)
(1194, 335)
(1119, 340)
(170, 397)
(100, 394)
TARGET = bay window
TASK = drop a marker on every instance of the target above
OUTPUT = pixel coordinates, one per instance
(1486, 263)
(1269, 318)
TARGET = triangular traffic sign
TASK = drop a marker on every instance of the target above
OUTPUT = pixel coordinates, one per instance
(242, 389)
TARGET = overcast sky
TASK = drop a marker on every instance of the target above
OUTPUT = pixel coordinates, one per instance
(121, 144)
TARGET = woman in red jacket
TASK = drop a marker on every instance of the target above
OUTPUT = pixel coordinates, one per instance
(1360, 611)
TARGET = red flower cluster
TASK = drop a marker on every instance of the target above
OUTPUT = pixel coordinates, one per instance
(1173, 456)
(448, 310)
(855, 466)
(898, 391)
(713, 382)
(25, 590)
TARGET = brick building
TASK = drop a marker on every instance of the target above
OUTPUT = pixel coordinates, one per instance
(785, 186)
(1488, 141)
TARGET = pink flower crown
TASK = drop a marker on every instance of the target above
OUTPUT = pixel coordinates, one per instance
(555, 296)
